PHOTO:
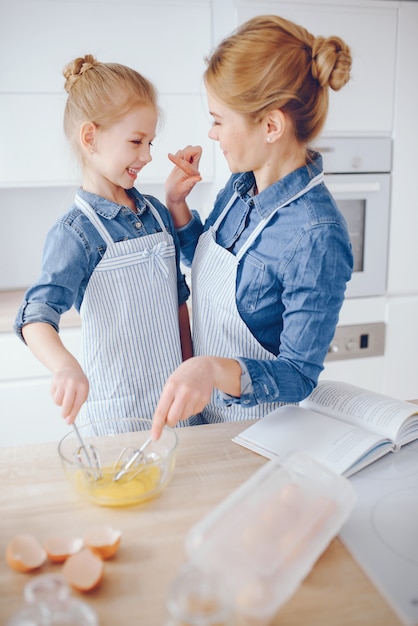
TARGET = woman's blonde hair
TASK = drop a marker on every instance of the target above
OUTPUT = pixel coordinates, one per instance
(101, 93)
(271, 63)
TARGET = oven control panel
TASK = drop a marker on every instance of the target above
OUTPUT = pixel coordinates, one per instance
(357, 341)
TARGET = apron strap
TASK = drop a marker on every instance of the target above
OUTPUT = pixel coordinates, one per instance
(156, 215)
(217, 223)
(93, 217)
(317, 180)
(91, 214)
(262, 224)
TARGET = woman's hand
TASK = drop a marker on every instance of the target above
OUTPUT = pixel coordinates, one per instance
(181, 181)
(189, 388)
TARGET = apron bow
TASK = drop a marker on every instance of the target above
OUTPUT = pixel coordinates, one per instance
(155, 258)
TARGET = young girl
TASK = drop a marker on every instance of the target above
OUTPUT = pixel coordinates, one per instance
(271, 263)
(114, 256)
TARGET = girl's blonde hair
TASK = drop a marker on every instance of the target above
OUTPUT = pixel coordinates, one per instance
(101, 93)
(271, 63)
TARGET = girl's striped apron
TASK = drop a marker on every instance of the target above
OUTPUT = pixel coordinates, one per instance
(130, 325)
(218, 328)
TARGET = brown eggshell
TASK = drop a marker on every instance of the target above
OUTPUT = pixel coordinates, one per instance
(104, 541)
(83, 571)
(60, 547)
(24, 553)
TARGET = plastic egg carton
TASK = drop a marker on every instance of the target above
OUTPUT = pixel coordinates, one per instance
(264, 539)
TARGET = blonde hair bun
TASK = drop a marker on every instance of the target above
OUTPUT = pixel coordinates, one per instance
(77, 68)
(331, 62)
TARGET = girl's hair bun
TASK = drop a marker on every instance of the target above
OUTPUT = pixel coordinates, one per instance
(77, 68)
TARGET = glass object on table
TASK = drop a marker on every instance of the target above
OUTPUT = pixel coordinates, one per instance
(48, 602)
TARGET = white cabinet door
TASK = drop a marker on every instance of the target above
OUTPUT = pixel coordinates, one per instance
(17, 363)
(367, 373)
(365, 104)
(403, 248)
(34, 122)
(28, 413)
(401, 356)
(166, 40)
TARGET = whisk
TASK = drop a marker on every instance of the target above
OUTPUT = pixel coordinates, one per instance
(128, 460)
(88, 457)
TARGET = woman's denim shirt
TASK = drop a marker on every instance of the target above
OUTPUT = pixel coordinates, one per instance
(290, 283)
(73, 248)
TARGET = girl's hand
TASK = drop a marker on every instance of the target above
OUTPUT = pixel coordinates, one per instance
(69, 386)
(183, 177)
(69, 389)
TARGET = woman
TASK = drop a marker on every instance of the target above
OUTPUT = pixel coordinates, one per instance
(271, 263)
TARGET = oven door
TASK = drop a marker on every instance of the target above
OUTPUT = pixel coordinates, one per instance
(364, 200)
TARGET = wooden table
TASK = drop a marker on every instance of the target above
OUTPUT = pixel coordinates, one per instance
(35, 498)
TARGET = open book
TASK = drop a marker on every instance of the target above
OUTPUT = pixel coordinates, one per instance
(340, 425)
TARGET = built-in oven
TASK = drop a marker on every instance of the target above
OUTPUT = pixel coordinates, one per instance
(357, 172)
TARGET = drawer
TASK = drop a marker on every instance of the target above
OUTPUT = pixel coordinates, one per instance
(28, 414)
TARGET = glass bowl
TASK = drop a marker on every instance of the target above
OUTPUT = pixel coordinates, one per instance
(111, 446)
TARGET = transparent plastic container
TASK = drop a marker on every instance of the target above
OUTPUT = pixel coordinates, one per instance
(264, 539)
(48, 603)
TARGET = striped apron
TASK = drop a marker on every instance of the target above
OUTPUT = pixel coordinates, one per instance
(218, 328)
(130, 324)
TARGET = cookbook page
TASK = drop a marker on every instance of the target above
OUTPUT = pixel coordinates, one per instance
(376, 412)
(336, 444)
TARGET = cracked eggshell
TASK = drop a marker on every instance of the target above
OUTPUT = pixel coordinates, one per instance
(83, 571)
(25, 553)
(60, 547)
(104, 541)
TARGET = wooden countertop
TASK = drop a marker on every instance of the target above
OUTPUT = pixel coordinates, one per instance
(10, 302)
(35, 498)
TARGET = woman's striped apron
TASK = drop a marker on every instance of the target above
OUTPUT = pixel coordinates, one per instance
(218, 328)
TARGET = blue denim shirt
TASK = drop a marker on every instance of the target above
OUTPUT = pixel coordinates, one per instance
(73, 248)
(290, 283)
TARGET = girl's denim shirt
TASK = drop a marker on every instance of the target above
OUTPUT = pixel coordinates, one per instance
(73, 248)
(290, 283)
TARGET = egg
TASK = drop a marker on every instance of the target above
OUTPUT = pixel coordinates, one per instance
(83, 571)
(25, 553)
(60, 547)
(104, 541)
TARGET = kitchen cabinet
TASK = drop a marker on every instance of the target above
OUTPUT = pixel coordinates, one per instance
(28, 413)
(34, 121)
(366, 104)
(150, 36)
(365, 372)
(403, 249)
(401, 372)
